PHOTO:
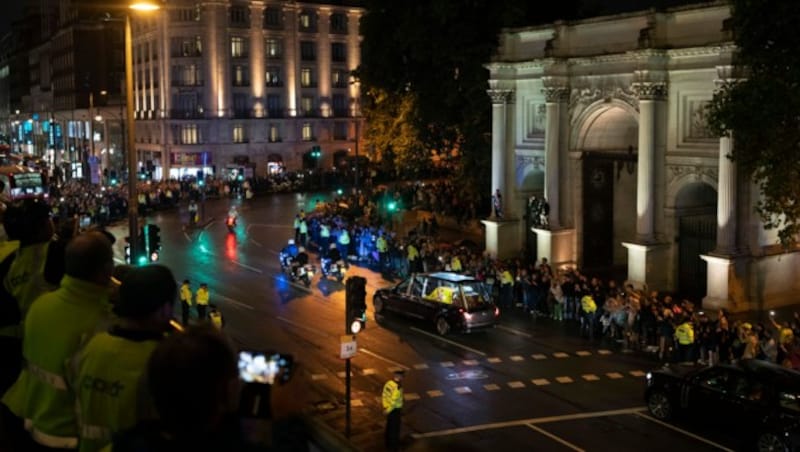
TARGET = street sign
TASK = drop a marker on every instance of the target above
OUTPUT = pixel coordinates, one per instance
(348, 346)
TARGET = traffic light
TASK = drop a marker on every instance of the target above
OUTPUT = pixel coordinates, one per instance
(355, 304)
(152, 242)
(392, 206)
(316, 152)
(201, 178)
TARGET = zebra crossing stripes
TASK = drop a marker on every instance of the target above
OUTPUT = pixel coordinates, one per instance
(516, 384)
(491, 387)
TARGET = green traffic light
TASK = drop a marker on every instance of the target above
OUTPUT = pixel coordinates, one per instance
(339, 191)
(142, 260)
(392, 205)
(113, 182)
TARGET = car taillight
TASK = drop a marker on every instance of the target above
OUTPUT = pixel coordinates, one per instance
(467, 315)
(496, 311)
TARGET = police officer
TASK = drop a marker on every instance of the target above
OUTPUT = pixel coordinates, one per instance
(506, 288)
(109, 370)
(344, 243)
(455, 264)
(303, 232)
(186, 301)
(324, 235)
(296, 225)
(588, 309)
(392, 399)
(215, 317)
(684, 334)
(202, 301)
(414, 261)
(383, 249)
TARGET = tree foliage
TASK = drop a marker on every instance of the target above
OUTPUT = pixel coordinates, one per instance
(762, 110)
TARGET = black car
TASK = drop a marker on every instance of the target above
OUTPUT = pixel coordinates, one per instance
(449, 301)
(757, 399)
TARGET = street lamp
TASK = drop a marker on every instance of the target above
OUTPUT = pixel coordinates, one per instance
(133, 162)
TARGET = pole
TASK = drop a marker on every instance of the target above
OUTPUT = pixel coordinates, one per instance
(347, 398)
(133, 219)
(358, 124)
(91, 136)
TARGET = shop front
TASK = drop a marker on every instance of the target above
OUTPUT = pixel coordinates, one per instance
(188, 164)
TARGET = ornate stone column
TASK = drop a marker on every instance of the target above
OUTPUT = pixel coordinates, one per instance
(555, 96)
(649, 93)
(726, 199)
(499, 98)
(257, 58)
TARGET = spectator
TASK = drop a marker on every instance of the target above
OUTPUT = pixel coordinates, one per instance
(109, 390)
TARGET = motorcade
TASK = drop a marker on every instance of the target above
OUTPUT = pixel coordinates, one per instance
(22, 182)
(754, 399)
(333, 269)
(448, 301)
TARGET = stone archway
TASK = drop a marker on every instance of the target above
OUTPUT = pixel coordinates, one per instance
(696, 217)
(607, 139)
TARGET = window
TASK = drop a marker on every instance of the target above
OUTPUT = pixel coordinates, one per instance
(308, 20)
(714, 379)
(274, 133)
(273, 76)
(274, 106)
(238, 47)
(307, 105)
(339, 105)
(340, 78)
(338, 52)
(240, 75)
(186, 75)
(190, 134)
(239, 135)
(308, 133)
(240, 109)
(273, 18)
(308, 51)
(273, 48)
(340, 130)
(184, 14)
(240, 16)
(338, 23)
(789, 400)
(306, 77)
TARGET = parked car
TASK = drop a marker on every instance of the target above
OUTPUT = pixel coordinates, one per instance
(448, 301)
(757, 399)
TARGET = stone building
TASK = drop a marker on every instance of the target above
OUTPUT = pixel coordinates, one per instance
(606, 119)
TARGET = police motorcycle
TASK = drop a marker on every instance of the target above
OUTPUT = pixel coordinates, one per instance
(286, 256)
(231, 221)
(297, 266)
(332, 265)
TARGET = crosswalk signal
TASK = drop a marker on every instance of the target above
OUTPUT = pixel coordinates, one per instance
(316, 152)
(152, 243)
(355, 305)
(201, 178)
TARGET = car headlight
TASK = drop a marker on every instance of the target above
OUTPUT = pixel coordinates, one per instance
(649, 376)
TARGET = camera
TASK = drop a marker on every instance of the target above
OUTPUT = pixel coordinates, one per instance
(258, 367)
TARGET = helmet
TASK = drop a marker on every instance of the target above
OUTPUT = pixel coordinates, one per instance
(291, 241)
(302, 249)
(332, 246)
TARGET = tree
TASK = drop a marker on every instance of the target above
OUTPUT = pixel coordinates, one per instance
(762, 110)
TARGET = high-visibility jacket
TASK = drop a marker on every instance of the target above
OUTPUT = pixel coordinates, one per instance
(296, 222)
(216, 319)
(57, 325)
(381, 245)
(588, 305)
(392, 396)
(25, 278)
(303, 227)
(324, 231)
(455, 264)
(412, 253)
(506, 278)
(344, 237)
(109, 389)
(202, 296)
(186, 294)
(684, 333)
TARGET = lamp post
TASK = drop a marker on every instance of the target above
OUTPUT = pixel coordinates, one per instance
(133, 162)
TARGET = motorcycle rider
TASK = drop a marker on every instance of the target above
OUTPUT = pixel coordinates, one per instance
(331, 257)
(288, 253)
(299, 261)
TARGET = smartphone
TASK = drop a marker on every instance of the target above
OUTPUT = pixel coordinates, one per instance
(258, 367)
(85, 221)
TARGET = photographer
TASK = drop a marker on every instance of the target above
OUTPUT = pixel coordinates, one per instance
(194, 381)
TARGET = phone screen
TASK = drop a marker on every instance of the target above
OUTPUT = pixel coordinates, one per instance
(256, 367)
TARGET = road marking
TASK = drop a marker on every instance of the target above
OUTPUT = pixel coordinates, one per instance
(478, 352)
(375, 355)
(680, 430)
(517, 358)
(637, 373)
(435, 393)
(554, 437)
(491, 387)
(246, 266)
(604, 352)
(237, 303)
(470, 362)
(564, 379)
(540, 381)
(523, 422)
(317, 377)
(188, 239)
(560, 355)
(590, 377)
(614, 375)
(513, 331)
(516, 384)
(583, 353)
(208, 225)
(312, 330)
(411, 396)
(257, 243)
(369, 372)
(494, 360)
(344, 374)
(538, 356)
(394, 369)
(356, 403)
(447, 364)
(463, 390)
(421, 366)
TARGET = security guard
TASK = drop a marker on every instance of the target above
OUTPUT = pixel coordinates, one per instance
(383, 248)
(108, 383)
(202, 301)
(684, 334)
(55, 327)
(186, 301)
(392, 399)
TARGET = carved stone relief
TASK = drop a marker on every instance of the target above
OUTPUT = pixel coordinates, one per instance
(675, 172)
(698, 120)
(583, 97)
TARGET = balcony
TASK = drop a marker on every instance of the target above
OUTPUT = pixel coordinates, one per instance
(341, 112)
(243, 113)
(276, 113)
(185, 114)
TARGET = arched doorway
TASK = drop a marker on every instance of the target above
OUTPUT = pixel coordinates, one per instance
(608, 202)
(696, 212)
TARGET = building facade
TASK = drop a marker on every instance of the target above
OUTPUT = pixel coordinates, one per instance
(229, 86)
(605, 119)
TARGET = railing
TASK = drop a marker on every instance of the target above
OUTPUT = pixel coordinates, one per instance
(185, 114)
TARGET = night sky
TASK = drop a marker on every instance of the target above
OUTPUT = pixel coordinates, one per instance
(11, 11)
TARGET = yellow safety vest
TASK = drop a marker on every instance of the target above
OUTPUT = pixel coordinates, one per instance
(392, 397)
(412, 253)
(56, 327)
(324, 231)
(344, 238)
(186, 293)
(588, 305)
(455, 264)
(202, 296)
(506, 278)
(685, 333)
(216, 319)
(25, 279)
(110, 395)
(381, 245)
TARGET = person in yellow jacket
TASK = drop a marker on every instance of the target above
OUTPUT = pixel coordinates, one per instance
(414, 262)
(109, 379)
(684, 334)
(383, 251)
(57, 325)
(215, 317)
(506, 288)
(186, 301)
(392, 399)
(201, 298)
(588, 310)
(455, 264)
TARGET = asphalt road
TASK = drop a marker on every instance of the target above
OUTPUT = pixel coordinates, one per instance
(526, 385)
